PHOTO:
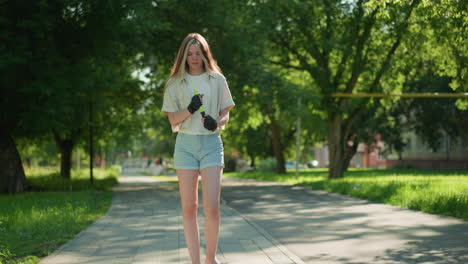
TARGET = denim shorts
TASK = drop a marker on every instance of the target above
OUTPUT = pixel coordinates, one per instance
(197, 152)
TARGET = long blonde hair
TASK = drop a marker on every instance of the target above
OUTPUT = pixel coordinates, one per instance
(209, 63)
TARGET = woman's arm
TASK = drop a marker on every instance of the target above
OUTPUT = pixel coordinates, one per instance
(176, 118)
(223, 116)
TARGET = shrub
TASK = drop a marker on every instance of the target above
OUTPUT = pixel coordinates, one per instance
(267, 165)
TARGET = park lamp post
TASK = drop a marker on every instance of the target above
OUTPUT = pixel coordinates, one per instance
(90, 130)
(298, 135)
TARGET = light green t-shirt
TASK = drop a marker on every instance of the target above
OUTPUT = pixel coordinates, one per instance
(216, 97)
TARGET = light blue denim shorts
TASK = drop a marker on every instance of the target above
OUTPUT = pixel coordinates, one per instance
(197, 152)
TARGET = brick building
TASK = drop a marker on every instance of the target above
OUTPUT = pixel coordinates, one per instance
(453, 154)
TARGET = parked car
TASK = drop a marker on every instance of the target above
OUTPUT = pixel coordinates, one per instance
(292, 165)
(312, 164)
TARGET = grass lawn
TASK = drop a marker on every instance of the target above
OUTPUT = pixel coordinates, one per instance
(433, 191)
(49, 179)
(172, 179)
(34, 224)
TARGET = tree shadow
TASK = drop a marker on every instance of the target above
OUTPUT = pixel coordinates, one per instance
(323, 227)
(145, 224)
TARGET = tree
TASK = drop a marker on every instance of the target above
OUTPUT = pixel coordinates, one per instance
(262, 125)
(434, 59)
(266, 97)
(25, 43)
(56, 57)
(446, 22)
(345, 47)
(440, 115)
(236, 43)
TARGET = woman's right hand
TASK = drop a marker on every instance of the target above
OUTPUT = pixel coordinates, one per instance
(195, 103)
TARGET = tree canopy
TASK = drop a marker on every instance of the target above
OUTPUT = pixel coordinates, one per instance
(59, 58)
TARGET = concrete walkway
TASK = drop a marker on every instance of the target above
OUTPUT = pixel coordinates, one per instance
(144, 225)
(264, 223)
(322, 227)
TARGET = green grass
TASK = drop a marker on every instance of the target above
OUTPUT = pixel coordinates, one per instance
(34, 224)
(433, 191)
(172, 179)
(49, 179)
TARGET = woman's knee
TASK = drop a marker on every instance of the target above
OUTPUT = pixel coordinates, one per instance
(211, 210)
(190, 209)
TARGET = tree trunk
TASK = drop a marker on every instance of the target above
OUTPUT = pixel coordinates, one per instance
(103, 158)
(12, 178)
(340, 152)
(349, 154)
(252, 159)
(336, 157)
(277, 147)
(66, 148)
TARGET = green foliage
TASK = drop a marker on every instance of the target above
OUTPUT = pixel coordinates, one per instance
(35, 224)
(432, 119)
(305, 48)
(267, 165)
(60, 57)
(432, 191)
(10, 259)
(57, 56)
(361, 46)
(448, 20)
(441, 115)
(39, 151)
(5, 254)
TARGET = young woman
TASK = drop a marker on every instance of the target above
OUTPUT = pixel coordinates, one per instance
(197, 101)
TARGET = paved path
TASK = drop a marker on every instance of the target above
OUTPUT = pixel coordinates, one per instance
(264, 223)
(144, 225)
(320, 227)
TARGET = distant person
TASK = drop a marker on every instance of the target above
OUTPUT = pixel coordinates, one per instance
(196, 84)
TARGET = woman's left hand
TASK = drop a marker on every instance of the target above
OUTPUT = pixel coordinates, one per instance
(209, 123)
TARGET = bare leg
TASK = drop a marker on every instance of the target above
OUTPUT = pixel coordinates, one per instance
(211, 186)
(188, 188)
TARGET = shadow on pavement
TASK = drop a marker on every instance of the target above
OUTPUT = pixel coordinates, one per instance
(321, 227)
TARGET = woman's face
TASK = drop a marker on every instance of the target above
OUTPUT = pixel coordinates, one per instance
(194, 59)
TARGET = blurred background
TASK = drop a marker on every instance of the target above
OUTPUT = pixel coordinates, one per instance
(74, 72)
